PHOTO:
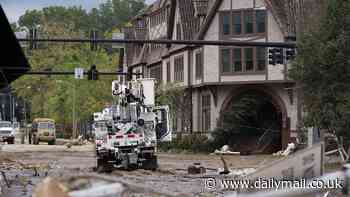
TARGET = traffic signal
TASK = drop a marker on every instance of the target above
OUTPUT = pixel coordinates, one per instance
(93, 36)
(290, 54)
(93, 73)
(279, 56)
(272, 56)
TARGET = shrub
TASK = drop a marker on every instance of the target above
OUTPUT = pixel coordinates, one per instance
(194, 143)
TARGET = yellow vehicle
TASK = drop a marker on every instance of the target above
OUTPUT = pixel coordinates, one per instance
(43, 130)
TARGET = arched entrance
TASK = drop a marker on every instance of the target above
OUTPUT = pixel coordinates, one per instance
(255, 118)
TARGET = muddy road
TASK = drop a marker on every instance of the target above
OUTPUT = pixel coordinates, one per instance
(26, 165)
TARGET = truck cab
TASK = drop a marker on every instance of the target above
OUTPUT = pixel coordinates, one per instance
(7, 132)
(43, 129)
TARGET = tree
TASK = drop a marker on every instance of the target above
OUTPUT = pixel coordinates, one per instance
(53, 96)
(30, 19)
(322, 68)
(179, 101)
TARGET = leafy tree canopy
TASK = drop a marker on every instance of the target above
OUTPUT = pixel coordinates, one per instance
(109, 15)
(322, 69)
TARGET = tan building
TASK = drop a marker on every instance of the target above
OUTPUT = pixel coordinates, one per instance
(215, 76)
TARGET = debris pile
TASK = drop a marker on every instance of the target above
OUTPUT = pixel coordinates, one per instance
(225, 150)
(77, 142)
(196, 168)
(90, 185)
(290, 149)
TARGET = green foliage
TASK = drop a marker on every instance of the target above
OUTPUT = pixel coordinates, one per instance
(53, 96)
(179, 101)
(322, 70)
(109, 15)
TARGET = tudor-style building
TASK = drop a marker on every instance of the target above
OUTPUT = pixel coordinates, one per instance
(214, 75)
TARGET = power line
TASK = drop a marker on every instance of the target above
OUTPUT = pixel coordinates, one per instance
(163, 41)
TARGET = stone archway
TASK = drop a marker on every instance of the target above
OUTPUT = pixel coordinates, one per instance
(270, 119)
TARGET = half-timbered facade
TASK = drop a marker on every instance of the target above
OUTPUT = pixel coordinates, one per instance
(214, 75)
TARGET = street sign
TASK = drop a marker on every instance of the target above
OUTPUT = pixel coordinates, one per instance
(307, 163)
(79, 73)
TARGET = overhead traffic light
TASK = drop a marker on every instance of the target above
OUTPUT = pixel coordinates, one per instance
(272, 56)
(279, 56)
(276, 56)
(93, 73)
(290, 54)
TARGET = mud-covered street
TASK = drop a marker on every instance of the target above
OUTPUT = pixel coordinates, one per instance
(26, 165)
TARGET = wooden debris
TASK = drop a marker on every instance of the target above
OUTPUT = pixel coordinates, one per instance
(196, 169)
(226, 170)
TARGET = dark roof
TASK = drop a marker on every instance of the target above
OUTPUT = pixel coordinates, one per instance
(11, 53)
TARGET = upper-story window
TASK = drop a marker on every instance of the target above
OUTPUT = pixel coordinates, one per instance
(199, 64)
(248, 22)
(226, 23)
(237, 23)
(261, 58)
(179, 69)
(242, 22)
(260, 16)
(239, 60)
(225, 60)
(248, 58)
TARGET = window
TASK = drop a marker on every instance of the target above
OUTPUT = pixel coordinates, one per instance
(248, 56)
(156, 72)
(241, 22)
(260, 17)
(168, 79)
(248, 23)
(237, 60)
(225, 58)
(179, 69)
(237, 23)
(261, 58)
(199, 64)
(226, 23)
(206, 113)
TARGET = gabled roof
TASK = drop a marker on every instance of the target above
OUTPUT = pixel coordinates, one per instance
(11, 53)
(210, 16)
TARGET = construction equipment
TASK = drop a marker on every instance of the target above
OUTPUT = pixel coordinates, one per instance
(134, 128)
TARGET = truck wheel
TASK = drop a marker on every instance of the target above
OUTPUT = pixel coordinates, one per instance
(150, 163)
(52, 142)
(12, 141)
(104, 166)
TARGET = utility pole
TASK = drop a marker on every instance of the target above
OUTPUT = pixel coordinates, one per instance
(74, 121)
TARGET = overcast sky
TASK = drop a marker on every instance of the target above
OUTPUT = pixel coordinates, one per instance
(15, 8)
